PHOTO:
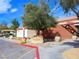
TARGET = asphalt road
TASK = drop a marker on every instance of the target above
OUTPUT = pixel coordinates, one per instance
(9, 50)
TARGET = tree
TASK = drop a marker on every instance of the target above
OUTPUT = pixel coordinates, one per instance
(70, 5)
(15, 24)
(3, 27)
(37, 18)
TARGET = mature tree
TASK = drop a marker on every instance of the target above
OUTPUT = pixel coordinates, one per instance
(70, 5)
(37, 18)
(15, 24)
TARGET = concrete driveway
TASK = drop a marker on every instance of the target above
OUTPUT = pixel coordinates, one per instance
(54, 52)
(9, 50)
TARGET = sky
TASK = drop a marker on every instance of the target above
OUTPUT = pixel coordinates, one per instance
(11, 9)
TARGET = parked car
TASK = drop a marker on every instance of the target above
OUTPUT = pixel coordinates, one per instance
(7, 33)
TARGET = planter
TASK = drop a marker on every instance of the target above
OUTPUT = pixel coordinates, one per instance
(74, 37)
(57, 39)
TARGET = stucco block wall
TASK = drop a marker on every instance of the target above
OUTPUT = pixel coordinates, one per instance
(63, 33)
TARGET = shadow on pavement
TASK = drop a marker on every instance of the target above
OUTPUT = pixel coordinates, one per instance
(75, 44)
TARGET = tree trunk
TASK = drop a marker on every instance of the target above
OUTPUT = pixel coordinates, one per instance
(44, 34)
(38, 32)
(77, 13)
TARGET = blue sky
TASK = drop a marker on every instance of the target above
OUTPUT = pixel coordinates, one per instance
(10, 9)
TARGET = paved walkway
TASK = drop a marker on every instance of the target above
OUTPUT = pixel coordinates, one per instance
(72, 53)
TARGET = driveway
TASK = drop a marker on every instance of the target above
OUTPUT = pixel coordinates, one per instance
(9, 50)
(54, 51)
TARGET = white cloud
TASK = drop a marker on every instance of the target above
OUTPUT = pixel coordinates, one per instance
(4, 5)
(14, 10)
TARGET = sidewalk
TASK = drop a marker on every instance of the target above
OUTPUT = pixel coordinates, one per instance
(72, 53)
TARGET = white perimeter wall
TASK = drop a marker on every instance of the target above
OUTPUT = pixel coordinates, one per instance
(26, 33)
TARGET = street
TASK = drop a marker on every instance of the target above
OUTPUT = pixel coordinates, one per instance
(9, 50)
